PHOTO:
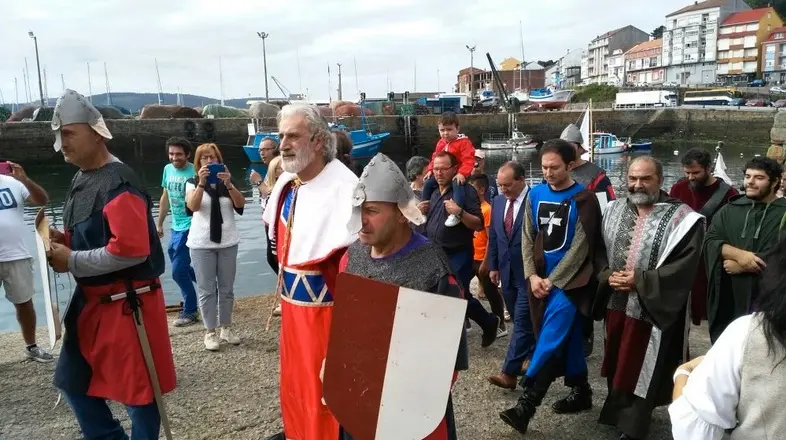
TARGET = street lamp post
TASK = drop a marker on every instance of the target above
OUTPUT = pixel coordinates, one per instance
(471, 74)
(38, 64)
(263, 36)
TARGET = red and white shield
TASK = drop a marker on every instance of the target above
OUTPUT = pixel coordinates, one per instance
(390, 359)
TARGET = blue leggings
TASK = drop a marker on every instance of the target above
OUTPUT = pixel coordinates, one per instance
(430, 185)
(561, 335)
(97, 422)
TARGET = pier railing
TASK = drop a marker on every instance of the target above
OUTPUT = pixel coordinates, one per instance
(495, 137)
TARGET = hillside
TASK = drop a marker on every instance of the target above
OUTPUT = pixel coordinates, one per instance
(135, 101)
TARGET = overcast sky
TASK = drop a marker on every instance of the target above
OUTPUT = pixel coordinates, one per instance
(385, 37)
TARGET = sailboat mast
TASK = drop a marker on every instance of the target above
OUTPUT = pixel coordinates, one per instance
(330, 86)
(415, 85)
(591, 144)
(89, 85)
(521, 66)
(16, 95)
(158, 78)
(221, 79)
(357, 81)
(27, 77)
(108, 89)
(62, 82)
(299, 77)
(46, 87)
(25, 89)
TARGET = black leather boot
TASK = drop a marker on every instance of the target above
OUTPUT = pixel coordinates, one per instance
(579, 399)
(520, 415)
(279, 436)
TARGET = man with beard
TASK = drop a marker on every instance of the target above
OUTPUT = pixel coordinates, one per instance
(389, 251)
(705, 194)
(307, 216)
(652, 249)
(741, 235)
(173, 198)
(111, 247)
(561, 227)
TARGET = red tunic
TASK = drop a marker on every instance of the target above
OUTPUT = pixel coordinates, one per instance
(106, 335)
(696, 199)
(306, 311)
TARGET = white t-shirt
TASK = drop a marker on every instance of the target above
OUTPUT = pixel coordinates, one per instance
(13, 196)
(199, 234)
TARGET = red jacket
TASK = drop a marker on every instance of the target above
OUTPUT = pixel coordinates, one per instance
(464, 151)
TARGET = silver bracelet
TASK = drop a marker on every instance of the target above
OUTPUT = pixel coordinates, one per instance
(680, 372)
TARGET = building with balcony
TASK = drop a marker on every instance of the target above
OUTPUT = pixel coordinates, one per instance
(643, 64)
(773, 60)
(566, 73)
(616, 71)
(740, 43)
(690, 40)
(595, 65)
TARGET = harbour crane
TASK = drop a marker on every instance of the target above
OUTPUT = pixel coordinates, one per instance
(285, 91)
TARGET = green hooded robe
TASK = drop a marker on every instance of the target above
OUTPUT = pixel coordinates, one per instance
(748, 225)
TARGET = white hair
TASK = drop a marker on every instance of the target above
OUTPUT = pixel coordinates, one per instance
(317, 125)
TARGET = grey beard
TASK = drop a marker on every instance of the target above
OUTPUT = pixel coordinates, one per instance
(302, 158)
(643, 199)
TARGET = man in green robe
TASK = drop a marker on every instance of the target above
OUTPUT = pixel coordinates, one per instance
(738, 240)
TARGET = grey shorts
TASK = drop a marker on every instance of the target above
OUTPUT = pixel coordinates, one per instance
(16, 277)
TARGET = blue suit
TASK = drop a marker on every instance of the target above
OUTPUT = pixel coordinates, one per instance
(504, 256)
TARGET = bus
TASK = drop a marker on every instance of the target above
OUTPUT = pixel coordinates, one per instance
(711, 96)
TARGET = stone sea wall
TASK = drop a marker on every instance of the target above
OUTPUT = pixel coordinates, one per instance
(144, 139)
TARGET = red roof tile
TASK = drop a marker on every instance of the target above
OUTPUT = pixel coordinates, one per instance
(775, 31)
(752, 16)
(647, 45)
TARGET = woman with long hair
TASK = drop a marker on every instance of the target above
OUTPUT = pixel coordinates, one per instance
(739, 384)
(213, 200)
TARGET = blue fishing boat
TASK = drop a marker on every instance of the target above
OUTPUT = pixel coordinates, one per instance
(608, 143)
(641, 145)
(365, 144)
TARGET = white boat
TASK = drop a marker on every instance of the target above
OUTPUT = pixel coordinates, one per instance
(496, 141)
(608, 143)
(515, 141)
(521, 141)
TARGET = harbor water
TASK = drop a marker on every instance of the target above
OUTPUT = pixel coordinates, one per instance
(254, 276)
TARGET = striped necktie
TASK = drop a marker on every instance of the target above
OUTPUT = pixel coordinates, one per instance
(509, 218)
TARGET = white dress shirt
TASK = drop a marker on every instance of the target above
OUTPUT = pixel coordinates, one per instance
(708, 404)
(516, 203)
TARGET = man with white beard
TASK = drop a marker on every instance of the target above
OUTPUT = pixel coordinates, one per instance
(307, 214)
(652, 250)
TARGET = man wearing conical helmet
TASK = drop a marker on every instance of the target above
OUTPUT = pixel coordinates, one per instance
(388, 250)
(110, 245)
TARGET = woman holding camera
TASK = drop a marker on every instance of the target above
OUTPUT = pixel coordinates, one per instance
(213, 201)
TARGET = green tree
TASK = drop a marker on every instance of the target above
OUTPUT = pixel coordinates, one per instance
(779, 5)
(596, 92)
(658, 32)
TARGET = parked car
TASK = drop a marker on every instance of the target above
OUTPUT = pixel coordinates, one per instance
(756, 83)
(781, 103)
(777, 89)
(756, 103)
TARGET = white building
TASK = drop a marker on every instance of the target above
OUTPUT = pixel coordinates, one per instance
(603, 47)
(690, 40)
(616, 71)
